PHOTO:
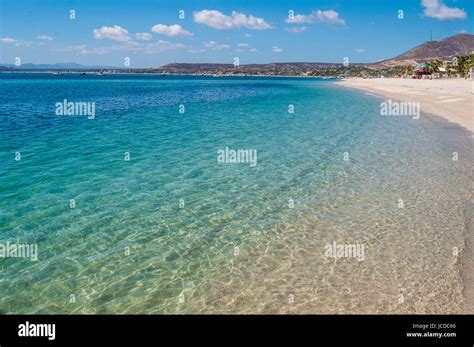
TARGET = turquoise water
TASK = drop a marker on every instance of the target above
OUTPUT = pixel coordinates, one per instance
(130, 246)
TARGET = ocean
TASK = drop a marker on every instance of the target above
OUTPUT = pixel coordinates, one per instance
(225, 195)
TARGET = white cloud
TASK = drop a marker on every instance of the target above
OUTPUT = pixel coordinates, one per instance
(45, 38)
(196, 50)
(143, 36)
(218, 20)
(317, 16)
(170, 30)
(436, 9)
(7, 40)
(277, 49)
(243, 45)
(360, 50)
(116, 33)
(17, 43)
(71, 48)
(247, 35)
(296, 29)
(252, 50)
(215, 46)
(20, 43)
(156, 47)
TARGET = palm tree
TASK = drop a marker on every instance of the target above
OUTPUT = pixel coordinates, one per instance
(434, 65)
(467, 63)
(461, 64)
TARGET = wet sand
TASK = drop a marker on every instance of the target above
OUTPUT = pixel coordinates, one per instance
(452, 99)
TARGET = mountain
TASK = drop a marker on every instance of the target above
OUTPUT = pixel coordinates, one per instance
(57, 66)
(446, 49)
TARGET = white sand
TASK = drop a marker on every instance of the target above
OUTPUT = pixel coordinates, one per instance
(452, 99)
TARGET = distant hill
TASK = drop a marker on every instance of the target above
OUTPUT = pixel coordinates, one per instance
(57, 66)
(446, 49)
(284, 69)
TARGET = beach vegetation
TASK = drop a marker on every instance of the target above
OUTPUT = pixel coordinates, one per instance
(460, 66)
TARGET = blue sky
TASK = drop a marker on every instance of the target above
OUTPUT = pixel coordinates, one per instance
(151, 33)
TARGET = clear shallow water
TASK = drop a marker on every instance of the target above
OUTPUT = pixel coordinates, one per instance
(185, 260)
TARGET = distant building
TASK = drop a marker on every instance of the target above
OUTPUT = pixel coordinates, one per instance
(421, 70)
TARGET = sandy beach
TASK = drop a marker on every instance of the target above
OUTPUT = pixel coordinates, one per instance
(452, 99)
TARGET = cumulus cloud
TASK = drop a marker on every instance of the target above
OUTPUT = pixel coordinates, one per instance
(215, 46)
(360, 50)
(436, 9)
(45, 38)
(277, 49)
(143, 36)
(170, 30)
(116, 33)
(7, 40)
(317, 16)
(243, 44)
(218, 20)
(296, 29)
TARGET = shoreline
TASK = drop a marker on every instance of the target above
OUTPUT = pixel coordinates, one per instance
(466, 266)
(451, 99)
(172, 74)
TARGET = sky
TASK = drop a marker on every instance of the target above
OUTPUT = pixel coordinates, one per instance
(152, 33)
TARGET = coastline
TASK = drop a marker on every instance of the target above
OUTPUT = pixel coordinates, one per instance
(91, 73)
(466, 264)
(451, 99)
